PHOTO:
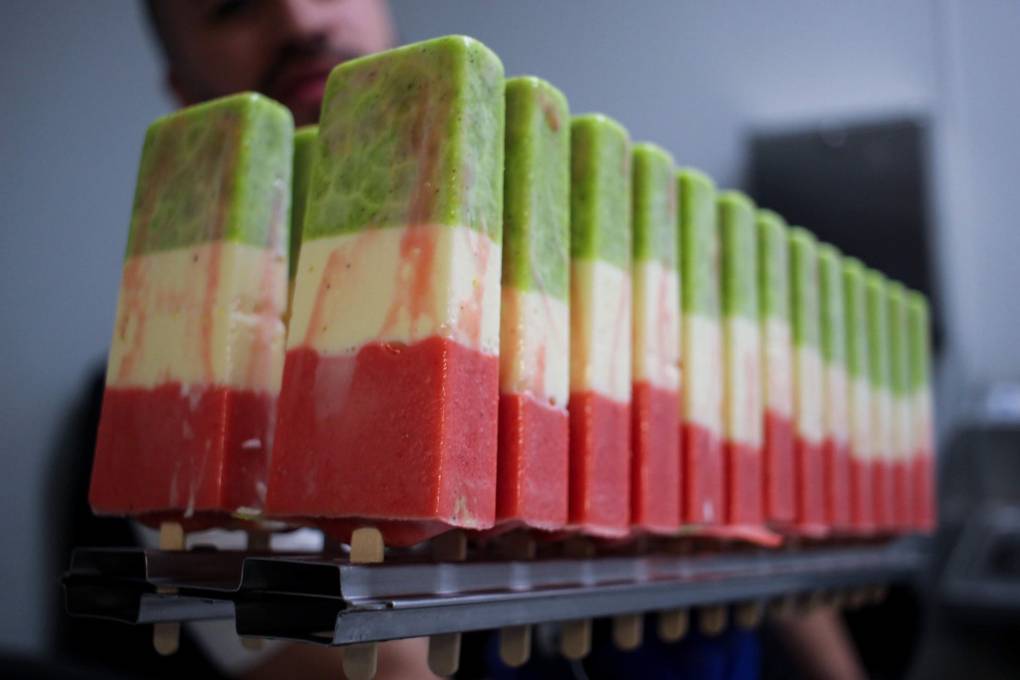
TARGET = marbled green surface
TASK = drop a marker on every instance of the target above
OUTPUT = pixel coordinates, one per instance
(216, 171)
(831, 303)
(536, 200)
(304, 152)
(412, 135)
(773, 266)
(920, 339)
(855, 307)
(600, 190)
(699, 243)
(878, 329)
(804, 309)
(899, 366)
(738, 240)
(654, 205)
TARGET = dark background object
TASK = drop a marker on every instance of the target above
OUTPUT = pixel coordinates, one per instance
(861, 186)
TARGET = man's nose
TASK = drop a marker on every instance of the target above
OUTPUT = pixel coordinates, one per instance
(301, 18)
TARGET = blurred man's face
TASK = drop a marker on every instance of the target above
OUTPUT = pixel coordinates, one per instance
(282, 48)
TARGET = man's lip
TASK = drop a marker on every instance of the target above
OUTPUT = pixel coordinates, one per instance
(306, 85)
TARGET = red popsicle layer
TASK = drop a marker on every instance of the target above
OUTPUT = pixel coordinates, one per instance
(836, 464)
(172, 450)
(655, 442)
(778, 468)
(533, 484)
(599, 460)
(366, 436)
(702, 475)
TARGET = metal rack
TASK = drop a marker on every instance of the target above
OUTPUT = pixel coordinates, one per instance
(328, 600)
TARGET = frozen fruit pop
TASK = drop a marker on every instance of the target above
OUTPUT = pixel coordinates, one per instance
(701, 426)
(777, 367)
(194, 367)
(923, 438)
(655, 409)
(742, 387)
(835, 417)
(600, 326)
(862, 505)
(535, 323)
(304, 153)
(902, 445)
(388, 408)
(807, 381)
(881, 399)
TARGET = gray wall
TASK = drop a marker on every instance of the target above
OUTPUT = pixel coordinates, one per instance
(80, 82)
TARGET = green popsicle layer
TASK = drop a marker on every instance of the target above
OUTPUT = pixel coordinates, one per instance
(304, 152)
(738, 243)
(411, 136)
(654, 216)
(830, 284)
(536, 199)
(804, 287)
(773, 266)
(600, 190)
(899, 367)
(855, 304)
(699, 243)
(217, 171)
(878, 329)
(919, 341)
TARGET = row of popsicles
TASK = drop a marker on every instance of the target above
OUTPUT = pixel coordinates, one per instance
(493, 315)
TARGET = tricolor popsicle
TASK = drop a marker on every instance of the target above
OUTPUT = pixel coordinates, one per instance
(535, 324)
(600, 326)
(902, 439)
(836, 414)
(777, 367)
(195, 362)
(388, 408)
(881, 399)
(701, 427)
(807, 382)
(741, 375)
(862, 504)
(921, 409)
(304, 153)
(655, 435)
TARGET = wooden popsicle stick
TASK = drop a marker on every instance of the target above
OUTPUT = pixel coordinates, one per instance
(444, 649)
(515, 641)
(166, 636)
(362, 660)
(628, 631)
(515, 645)
(575, 639)
(575, 636)
(673, 624)
(712, 620)
(749, 615)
